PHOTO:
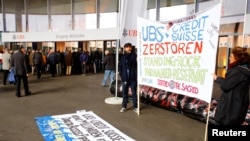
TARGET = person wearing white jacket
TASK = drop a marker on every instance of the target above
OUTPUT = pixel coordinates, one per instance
(6, 60)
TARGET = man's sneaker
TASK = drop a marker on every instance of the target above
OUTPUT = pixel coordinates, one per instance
(103, 85)
(123, 110)
(135, 110)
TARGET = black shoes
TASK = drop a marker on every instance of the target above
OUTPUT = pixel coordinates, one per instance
(18, 94)
(28, 93)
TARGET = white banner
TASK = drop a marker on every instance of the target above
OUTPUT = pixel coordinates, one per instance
(80, 126)
(129, 10)
(180, 55)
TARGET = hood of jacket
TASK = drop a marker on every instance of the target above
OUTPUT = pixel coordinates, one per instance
(245, 70)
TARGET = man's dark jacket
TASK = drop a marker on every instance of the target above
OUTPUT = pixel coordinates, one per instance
(128, 61)
(19, 63)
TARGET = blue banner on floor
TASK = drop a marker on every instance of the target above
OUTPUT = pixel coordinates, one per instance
(78, 127)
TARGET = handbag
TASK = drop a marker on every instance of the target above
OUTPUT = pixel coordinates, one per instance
(11, 76)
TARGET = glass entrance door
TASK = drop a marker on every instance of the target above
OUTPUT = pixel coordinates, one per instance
(222, 56)
(226, 42)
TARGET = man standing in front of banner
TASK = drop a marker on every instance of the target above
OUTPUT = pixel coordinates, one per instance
(128, 74)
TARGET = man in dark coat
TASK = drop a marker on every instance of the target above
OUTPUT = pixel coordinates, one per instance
(19, 62)
(97, 58)
(128, 74)
(84, 59)
(38, 61)
(52, 62)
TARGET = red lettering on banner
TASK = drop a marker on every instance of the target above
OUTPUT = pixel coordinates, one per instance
(173, 48)
(178, 86)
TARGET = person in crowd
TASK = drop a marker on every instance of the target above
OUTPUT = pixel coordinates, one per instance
(19, 62)
(89, 65)
(63, 65)
(51, 58)
(109, 65)
(11, 53)
(76, 68)
(128, 73)
(68, 62)
(1, 53)
(6, 58)
(84, 59)
(97, 59)
(58, 63)
(28, 52)
(26, 55)
(234, 100)
(31, 62)
(44, 63)
(38, 61)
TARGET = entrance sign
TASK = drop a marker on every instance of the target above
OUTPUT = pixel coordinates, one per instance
(179, 56)
(79, 35)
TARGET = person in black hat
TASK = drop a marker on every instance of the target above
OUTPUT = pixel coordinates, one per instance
(19, 62)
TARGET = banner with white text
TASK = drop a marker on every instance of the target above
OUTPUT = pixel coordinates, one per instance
(80, 126)
(180, 55)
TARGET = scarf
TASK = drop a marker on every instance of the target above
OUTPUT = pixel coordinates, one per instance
(231, 65)
(237, 63)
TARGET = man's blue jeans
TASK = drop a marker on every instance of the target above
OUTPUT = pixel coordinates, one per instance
(108, 73)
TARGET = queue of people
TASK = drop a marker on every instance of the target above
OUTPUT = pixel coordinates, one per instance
(56, 62)
(36, 62)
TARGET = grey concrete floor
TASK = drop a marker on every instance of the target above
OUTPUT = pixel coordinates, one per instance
(67, 94)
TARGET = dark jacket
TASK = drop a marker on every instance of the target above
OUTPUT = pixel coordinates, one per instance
(234, 101)
(52, 58)
(109, 62)
(97, 55)
(38, 58)
(128, 62)
(84, 57)
(69, 59)
(20, 63)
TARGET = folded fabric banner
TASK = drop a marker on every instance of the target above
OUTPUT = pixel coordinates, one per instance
(78, 126)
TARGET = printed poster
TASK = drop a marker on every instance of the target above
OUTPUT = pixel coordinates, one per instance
(80, 126)
(180, 55)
